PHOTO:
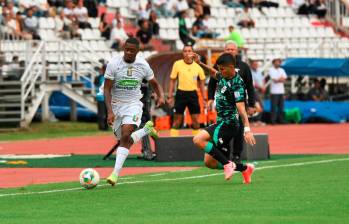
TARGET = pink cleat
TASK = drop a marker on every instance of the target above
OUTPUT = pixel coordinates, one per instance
(248, 173)
(229, 170)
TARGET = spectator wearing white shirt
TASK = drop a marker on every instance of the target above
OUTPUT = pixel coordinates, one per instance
(259, 86)
(31, 24)
(118, 36)
(69, 10)
(245, 19)
(81, 15)
(181, 6)
(118, 19)
(277, 90)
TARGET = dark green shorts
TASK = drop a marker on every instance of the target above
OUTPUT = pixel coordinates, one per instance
(221, 135)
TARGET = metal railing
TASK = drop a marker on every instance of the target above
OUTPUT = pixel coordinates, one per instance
(336, 10)
(31, 76)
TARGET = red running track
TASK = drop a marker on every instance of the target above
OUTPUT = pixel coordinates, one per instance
(283, 139)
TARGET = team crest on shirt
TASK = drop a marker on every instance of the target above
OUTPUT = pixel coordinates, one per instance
(129, 71)
(237, 94)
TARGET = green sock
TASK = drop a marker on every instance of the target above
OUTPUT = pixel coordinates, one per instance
(215, 153)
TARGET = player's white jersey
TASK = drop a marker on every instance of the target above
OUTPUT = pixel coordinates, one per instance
(127, 78)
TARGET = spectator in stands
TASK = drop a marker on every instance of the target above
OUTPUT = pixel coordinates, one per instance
(317, 93)
(92, 9)
(31, 24)
(118, 19)
(246, 3)
(317, 7)
(154, 26)
(69, 10)
(10, 9)
(187, 72)
(267, 4)
(320, 9)
(144, 13)
(20, 27)
(235, 35)
(233, 3)
(181, 6)
(10, 25)
(144, 35)
(61, 26)
(13, 69)
(56, 3)
(104, 27)
(160, 7)
(81, 15)
(245, 19)
(184, 33)
(118, 36)
(200, 29)
(277, 90)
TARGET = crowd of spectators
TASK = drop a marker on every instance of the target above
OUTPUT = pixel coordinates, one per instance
(308, 7)
(20, 19)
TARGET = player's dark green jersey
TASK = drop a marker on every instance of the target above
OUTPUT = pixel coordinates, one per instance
(229, 92)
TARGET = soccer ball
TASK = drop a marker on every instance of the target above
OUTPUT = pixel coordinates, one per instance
(89, 178)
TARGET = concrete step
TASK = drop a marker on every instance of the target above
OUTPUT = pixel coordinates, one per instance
(10, 83)
(10, 90)
(10, 112)
(13, 105)
(4, 120)
(10, 98)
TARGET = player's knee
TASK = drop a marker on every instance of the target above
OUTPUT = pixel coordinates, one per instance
(197, 140)
(125, 138)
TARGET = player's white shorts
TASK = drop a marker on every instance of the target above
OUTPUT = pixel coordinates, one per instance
(126, 113)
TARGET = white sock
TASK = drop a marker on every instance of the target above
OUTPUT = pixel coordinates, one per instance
(121, 155)
(139, 134)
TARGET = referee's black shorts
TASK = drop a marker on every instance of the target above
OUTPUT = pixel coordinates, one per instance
(185, 99)
(221, 135)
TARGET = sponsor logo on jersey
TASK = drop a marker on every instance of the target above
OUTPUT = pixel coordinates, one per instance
(128, 83)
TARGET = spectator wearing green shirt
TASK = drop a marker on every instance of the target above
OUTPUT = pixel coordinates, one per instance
(236, 37)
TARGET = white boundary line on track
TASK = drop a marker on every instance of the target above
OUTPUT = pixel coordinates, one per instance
(181, 178)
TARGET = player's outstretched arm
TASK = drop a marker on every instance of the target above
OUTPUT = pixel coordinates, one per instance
(108, 84)
(248, 135)
(212, 71)
(158, 90)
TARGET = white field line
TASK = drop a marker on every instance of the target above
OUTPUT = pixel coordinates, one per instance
(181, 178)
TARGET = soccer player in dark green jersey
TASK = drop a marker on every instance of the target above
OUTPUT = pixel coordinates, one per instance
(230, 106)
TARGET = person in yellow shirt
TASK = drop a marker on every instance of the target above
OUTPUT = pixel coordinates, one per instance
(189, 75)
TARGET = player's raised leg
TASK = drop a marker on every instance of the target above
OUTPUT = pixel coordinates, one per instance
(202, 140)
(122, 152)
(148, 129)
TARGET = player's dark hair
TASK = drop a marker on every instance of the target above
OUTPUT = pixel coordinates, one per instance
(187, 45)
(132, 40)
(226, 59)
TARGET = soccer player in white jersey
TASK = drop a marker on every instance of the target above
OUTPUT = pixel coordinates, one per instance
(123, 79)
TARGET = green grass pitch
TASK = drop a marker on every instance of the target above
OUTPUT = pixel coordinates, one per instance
(308, 189)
